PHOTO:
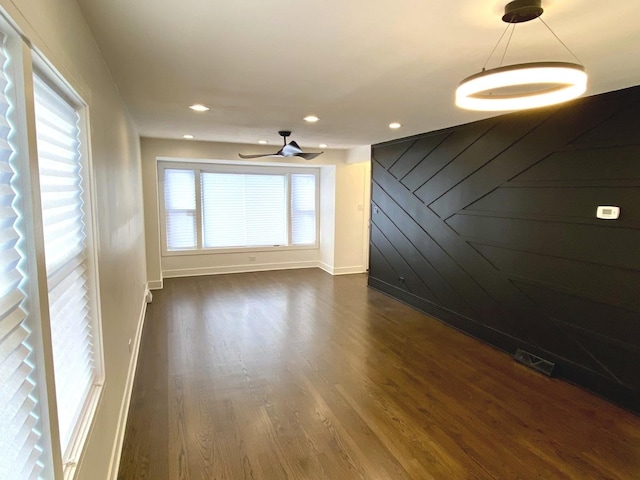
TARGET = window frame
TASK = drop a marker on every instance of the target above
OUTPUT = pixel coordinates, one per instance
(237, 168)
(22, 141)
(72, 456)
(25, 62)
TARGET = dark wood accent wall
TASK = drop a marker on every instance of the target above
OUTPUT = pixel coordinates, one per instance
(491, 227)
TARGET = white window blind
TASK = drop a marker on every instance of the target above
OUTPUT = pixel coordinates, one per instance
(20, 438)
(180, 208)
(66, 254)
(303, 209)
(243, 210)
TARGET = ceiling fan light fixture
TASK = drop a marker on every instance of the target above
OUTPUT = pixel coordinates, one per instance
(291, 149)
(526, 85)
(541, 83)
(198, 107)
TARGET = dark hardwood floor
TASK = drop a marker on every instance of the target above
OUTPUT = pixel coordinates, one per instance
(300, 375)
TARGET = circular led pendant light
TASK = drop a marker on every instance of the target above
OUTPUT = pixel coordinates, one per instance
(526, 85)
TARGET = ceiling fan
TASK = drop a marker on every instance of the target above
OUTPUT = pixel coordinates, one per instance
(291, 149)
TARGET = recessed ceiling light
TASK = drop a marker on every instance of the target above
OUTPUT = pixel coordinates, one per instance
(395, 125)
(263, 142)
(323, 145)
(311, 118)
(188, 137)
(198, 107)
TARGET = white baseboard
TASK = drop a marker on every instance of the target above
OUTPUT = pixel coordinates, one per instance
(116, 452)
(261, 267)
(155, 285)
(349, 270)
(326, 267)
(341, 270)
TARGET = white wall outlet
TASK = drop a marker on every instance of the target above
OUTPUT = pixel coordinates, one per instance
(607, 212)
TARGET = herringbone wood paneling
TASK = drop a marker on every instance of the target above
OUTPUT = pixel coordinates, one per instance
(491, 227)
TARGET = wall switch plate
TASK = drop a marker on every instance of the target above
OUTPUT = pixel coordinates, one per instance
(608, 212)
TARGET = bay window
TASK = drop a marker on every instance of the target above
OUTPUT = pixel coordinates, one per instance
(210, 207)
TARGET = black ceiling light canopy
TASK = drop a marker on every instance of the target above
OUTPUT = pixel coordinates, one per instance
(291, 149)
(520, 11)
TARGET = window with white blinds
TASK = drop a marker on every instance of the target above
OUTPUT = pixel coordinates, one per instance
(180, 207)
(238, 207)
(68, 260)
(21, 442)
(303, 209)
(243, 210)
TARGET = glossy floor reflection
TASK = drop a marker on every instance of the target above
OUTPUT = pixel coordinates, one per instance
(301, 375)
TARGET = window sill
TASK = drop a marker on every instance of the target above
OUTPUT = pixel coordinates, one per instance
(225, 251)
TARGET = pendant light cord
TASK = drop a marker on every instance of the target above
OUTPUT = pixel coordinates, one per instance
(484, 67)
(494, 48)
(508, 42)
(558, 38)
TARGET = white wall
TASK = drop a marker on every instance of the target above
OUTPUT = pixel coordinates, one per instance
(343, 227)
(327, 217)
(353, 194)
(58, 30)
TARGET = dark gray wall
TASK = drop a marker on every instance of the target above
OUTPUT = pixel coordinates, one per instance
(491, 227)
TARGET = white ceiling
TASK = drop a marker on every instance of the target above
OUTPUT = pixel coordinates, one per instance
(357, 64)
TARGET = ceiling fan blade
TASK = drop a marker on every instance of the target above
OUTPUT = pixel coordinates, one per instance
(290, 149)
(308, 156)
(260, 155)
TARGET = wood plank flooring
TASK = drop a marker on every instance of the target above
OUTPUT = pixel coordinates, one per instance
(300, 375)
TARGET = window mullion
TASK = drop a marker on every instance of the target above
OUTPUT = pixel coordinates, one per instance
(288, 210)
(199, 232)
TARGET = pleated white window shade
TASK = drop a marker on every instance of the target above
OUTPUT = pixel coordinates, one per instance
(20, 438)
(67, 257)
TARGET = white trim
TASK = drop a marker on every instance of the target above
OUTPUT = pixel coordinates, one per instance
(155, 285)
(235, 168)
(342, 270)
(194, 272)
(82, 431)
(349, 270)
(116, 451)
(326, 267)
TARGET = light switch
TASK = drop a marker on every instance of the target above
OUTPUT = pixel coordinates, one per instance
(608, 212)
